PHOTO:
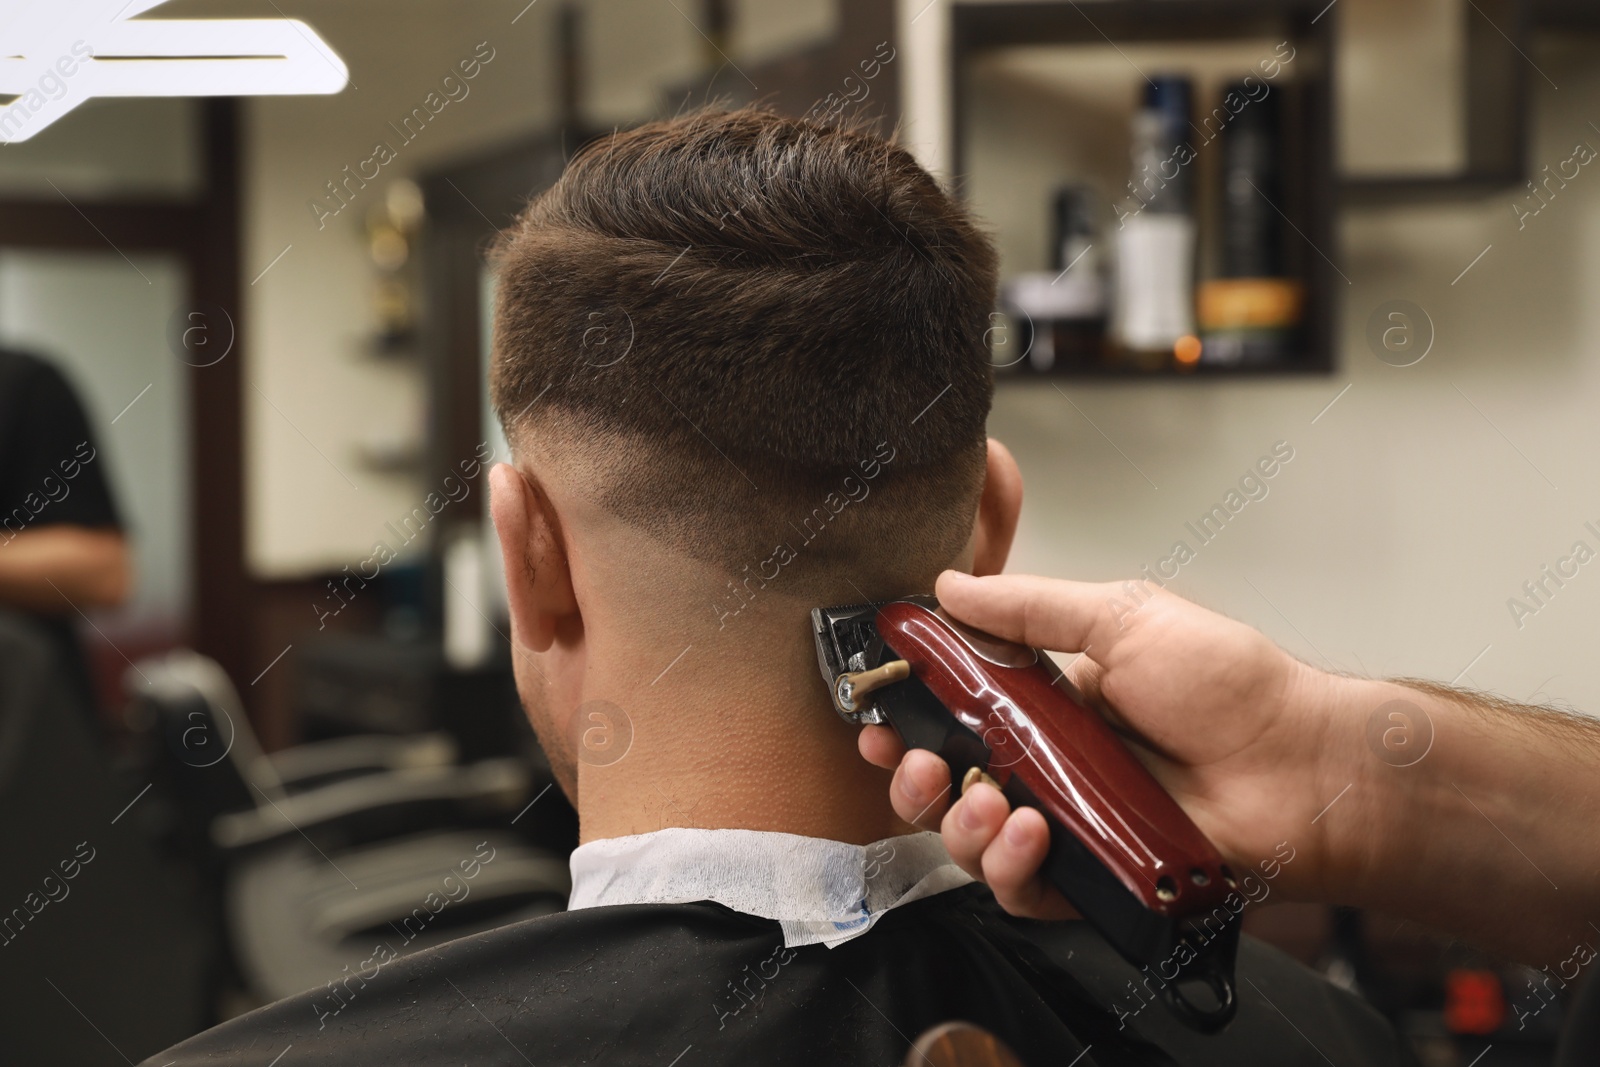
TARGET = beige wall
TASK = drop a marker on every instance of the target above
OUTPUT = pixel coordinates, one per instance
(1419, 503)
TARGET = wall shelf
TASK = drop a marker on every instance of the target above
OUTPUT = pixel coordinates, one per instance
(1495, 35)
(982, 34)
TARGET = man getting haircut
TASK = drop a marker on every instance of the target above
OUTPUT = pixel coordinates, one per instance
(740, 359)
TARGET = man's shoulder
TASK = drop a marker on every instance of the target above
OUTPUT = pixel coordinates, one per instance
(1287, 1013)
(561, 985)
(640, 984)
(643, 983)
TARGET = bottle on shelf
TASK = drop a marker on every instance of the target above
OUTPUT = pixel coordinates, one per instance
(1155, 272)
(1061, 313)
(1250, 313)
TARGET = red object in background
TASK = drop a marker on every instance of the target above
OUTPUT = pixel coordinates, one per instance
(1474, 1003)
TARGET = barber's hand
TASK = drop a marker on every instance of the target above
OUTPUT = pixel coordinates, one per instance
(1229, 723)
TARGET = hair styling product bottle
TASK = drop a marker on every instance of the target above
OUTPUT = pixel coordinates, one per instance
(1060, 314)
(1156, 231)
(1250, 313)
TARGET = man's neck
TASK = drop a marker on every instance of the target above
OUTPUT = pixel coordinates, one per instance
(715, 748)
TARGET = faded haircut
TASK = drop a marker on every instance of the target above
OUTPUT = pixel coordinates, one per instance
(761, 333)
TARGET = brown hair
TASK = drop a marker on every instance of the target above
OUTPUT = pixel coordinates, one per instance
(741, 311)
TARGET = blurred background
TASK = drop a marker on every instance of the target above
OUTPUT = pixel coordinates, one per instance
(1340, 242)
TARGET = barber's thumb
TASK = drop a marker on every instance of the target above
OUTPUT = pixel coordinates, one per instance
(1044, 612)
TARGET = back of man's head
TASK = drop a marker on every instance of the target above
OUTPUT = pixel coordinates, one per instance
(737, 327)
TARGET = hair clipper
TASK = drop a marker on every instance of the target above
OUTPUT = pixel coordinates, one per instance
(1121, 850)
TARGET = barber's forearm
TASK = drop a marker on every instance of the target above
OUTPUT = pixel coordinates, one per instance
(1487, 825)
(56, 569)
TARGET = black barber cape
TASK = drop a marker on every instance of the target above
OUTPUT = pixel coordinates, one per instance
(691, 985)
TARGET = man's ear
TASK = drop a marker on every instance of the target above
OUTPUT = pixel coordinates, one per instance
(998, 510)
(538, 582)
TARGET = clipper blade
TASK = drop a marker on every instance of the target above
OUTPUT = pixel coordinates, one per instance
(847, 640)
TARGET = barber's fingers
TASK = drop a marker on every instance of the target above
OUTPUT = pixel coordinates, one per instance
(880, 746)
(971, 825)
(1044, 612)
(1005, 849)
(1012, 864)
(920, 791)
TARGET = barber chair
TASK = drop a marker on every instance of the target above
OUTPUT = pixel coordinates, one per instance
(1580, 1038)
(318, 855)
(102, 960)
